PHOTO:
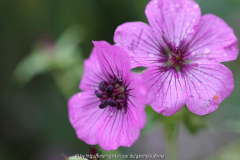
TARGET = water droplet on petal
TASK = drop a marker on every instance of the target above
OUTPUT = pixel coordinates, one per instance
(171, 83)
(177, 5)
(207, 50)
(195, 6)
(233, 48)
(151, 55)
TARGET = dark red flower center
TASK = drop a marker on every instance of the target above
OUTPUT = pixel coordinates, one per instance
(112, 94)
(177, 57)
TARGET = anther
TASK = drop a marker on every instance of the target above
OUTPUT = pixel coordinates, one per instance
(112, 103)
(109, 90)
(102, 86)
(103, 104)
(97, 94)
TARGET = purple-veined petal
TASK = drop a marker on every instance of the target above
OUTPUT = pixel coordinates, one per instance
(85, 115)
(120, 128)
(92, 74)
(214, 39)
(165, 89)
(113, 60)
(137, 91)
(173, 20)
(143, 46)
(207, 83)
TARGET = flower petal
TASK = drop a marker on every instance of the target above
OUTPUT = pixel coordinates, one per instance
(113, 60)
(120, 128)
(143, 46)
(214, 39)
(92, 74)
(173, 20)
(137, 90)
(166, 92)
(85, 116)
(207, 83)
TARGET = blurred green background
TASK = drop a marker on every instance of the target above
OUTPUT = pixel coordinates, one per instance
(43, 44)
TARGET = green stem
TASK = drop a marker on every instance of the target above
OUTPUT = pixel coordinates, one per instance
(172, 142)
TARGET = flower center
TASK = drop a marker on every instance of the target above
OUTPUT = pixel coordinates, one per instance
(112, 94)
(176, 57)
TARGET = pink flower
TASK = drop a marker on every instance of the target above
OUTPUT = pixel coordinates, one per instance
(182, 51)
(110, 110)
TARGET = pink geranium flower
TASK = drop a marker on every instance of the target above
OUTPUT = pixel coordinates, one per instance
(110, 110)
(182, 51)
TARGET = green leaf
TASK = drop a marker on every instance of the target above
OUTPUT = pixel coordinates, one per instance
(30, 66)
(139, 70)
(194, 123)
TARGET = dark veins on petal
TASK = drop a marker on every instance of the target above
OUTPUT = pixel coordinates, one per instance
(169, 54)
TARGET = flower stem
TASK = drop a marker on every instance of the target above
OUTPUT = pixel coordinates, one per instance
(172, 142)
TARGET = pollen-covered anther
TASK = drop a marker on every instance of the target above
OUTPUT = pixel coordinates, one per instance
(103, 85)
(98, 94)
(109, 90)
(112, 103)
(103, 104)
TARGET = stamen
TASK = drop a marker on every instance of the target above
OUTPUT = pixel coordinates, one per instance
(109, 90)
(98, 94)
(176, 57)
(113, 93)
(102, 86)
(112, 103)
(103, 104)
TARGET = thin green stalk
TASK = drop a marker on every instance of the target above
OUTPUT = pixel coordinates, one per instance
(172, 142)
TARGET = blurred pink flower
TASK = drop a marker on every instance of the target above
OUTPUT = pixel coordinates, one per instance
(182, 51)
(110, 110)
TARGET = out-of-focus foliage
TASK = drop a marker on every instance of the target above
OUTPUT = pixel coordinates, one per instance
(234, 125)
(192, 122)
(63, 59)
(229, 152)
